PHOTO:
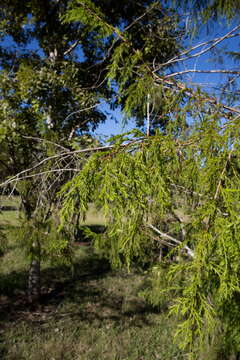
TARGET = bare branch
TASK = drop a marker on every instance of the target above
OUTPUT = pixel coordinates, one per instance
(215, 41)
(234, 72)
(190, 92)
(81, 110)
(185, 190)
(39, 174)
(163, 242)
(71, 48)
(176, 241)
(63, 156)
(44, 140)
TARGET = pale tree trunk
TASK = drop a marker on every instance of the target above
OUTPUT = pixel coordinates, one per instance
(34, 275)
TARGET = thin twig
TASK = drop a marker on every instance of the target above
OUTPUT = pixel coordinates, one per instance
(44, 140)
(81, 110)
(62, 156)
(141, 16)
(71, 48)
(215, 43)
(190, 92)
(148, 114)
(220, 71)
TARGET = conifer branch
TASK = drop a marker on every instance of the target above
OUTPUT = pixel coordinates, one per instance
(176, 85)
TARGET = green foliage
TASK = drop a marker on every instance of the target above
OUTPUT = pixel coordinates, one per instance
(133, 50)
(89, 15)
(138, 182)
(203, 11)
(42, 241)
(117, 179)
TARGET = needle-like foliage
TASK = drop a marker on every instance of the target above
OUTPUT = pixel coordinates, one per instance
(140, 184)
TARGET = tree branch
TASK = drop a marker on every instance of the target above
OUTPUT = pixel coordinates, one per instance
(44, 140)
(71, 48)
(62, 156)
(190, 92)
(215, 41)
(233, 72)
(176, 241)
(140, 17)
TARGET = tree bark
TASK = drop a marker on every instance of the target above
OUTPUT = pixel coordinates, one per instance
(34, 276)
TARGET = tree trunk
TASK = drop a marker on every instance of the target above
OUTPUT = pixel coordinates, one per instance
(34, 276)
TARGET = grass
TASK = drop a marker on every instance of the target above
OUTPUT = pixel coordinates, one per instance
(94, 216)
(9, 214)
(9, 218)
(96, 314)
(10, 201)
(93, 314)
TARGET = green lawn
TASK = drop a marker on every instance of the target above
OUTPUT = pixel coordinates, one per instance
(94, 216)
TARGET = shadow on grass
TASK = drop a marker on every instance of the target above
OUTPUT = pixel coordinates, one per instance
(84, 296)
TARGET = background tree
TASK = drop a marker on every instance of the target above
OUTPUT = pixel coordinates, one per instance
(43, 102)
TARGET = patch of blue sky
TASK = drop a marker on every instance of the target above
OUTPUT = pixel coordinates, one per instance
(215, 59)
(116, 122)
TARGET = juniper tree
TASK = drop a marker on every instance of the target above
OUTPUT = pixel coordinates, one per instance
(178, 188)
(139, 184)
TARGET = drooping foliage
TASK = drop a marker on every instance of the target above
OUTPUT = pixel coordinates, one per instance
(180, 192)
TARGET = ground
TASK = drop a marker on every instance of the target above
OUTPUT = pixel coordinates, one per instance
(93, 313)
